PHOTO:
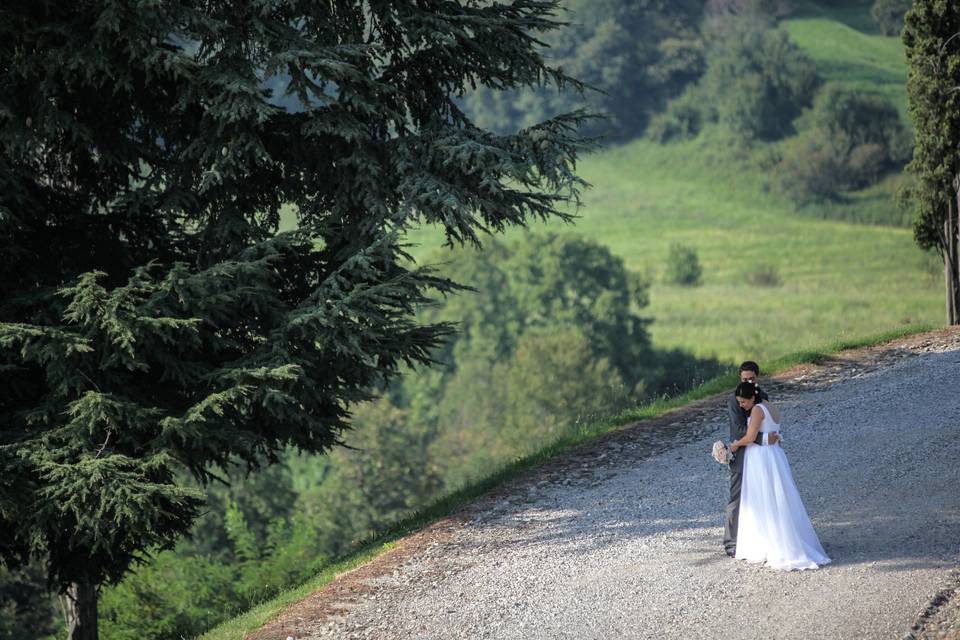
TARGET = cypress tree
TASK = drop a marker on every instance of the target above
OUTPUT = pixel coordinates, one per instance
(152, 318)
(932, 38)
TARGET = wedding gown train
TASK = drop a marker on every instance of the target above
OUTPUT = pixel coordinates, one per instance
(774, 527)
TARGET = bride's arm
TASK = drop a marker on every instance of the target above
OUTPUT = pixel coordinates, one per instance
(753, 428)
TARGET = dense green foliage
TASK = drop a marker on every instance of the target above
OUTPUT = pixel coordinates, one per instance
(153, 324)
(933, 51)
(539, 355)
(764, 9)
(633, 54)
(25, 604)
(861, 118)
(756, 82)
(278, 527)
(826, 148)
(758, 79)
(935, 109)
(552, 336)
(889, 14)
(847, 141)
(683, 265)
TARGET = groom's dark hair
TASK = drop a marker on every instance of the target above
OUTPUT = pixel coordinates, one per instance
(750, 365)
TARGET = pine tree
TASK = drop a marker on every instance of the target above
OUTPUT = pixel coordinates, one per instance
(932, 37)
(152, 318)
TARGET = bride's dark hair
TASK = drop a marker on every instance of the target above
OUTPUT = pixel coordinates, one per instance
(748, 390)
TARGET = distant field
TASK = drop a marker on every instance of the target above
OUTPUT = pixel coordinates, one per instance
(847, 47)
(840, 280)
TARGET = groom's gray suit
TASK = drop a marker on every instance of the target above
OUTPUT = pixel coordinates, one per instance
(738, 429)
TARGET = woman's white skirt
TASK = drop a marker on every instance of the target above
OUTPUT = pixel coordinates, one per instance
(774, 527)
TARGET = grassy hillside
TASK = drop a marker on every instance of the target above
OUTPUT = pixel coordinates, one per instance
(847, 46)
(840, 280)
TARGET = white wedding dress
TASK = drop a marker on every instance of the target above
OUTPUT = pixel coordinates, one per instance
(774, 527)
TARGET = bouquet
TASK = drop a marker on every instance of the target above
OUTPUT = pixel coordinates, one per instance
(722, 453)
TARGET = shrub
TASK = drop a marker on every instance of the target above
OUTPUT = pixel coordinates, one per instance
(901, 147)
(757, 79)
(683, 118)
(865, 165)
(766, 8)
(889, 15)
(765, 275)
(683, 266)
(812, 167)
(553, 382)
(863, 118)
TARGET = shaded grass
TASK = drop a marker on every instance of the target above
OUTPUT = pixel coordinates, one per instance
(875, 205)
(374, 546)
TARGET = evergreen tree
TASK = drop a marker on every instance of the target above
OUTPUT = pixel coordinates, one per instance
(932, 37)
(152, 319)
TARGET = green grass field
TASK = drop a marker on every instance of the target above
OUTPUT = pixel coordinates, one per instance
(840, 280)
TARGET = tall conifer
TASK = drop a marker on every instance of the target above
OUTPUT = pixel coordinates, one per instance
(152, 318)
(932, 37)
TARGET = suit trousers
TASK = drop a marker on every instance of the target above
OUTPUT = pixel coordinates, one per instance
(733, 505)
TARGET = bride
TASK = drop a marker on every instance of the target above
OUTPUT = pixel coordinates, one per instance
(774, 527)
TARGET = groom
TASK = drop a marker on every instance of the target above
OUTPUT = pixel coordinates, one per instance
(749, 372)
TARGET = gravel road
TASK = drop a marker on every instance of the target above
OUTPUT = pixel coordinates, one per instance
(623, 539)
